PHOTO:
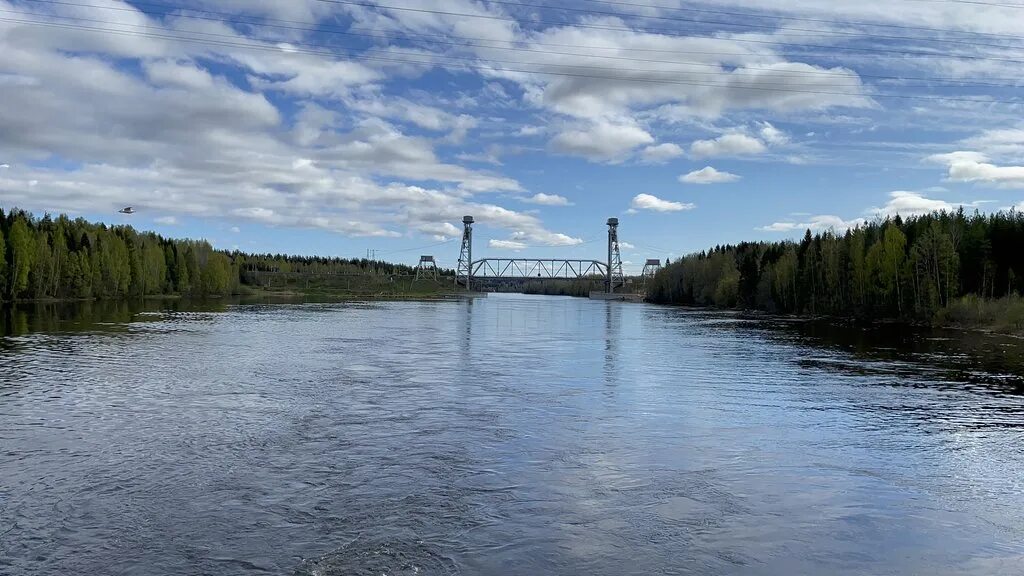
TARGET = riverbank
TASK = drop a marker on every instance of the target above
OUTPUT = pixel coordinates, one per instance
(1003, 316)
(429, 292)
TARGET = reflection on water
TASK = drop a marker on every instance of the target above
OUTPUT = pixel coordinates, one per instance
(508, 435)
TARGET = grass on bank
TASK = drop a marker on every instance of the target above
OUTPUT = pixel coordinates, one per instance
(998, 315)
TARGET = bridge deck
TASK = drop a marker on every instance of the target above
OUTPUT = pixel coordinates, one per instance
(544, 268)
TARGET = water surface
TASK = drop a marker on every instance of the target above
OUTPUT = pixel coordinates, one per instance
(507, 435)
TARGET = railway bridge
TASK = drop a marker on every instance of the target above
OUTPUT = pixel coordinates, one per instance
(470, 272)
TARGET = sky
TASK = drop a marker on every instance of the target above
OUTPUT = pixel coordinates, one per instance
(335, 127)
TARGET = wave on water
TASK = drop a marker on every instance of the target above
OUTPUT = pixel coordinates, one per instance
(366, 557)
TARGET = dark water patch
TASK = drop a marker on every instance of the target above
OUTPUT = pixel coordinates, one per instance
(367, 556)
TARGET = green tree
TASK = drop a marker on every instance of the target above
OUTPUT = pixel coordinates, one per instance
(3, 260)
(41, 273)
(894, 255)
(858, 267)
(20, 250)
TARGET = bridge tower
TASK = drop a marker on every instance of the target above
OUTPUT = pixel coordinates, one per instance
(651, 269)
(464, 270)
(615, 276)
(427, 268)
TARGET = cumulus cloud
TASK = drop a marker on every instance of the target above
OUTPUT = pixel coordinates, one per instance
(967, 166)
(602, 141)
(506, 245)
(653, 203)
(907, 203)
(548, 200)
(772, 135)
(440, 231)
(900, 202)
(998, 142)
(734, 144)
(708, 175)
(820, 223)
(661, 153)
(166, 220)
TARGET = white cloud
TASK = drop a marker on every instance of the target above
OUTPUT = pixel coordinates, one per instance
(733, 144)
(708, 175)
(779, 227)
(649, 202)
(506, 245)
(819, 223)
(772, 135)
(235, 230)
(440, 231)
(907, 203)
(661, 153)
(900, 202)
(166, 220)
(602, 141)
(528, 131)
(4, 166)
(967, 166)
(998, 142)
(627, 246)
(548, 200)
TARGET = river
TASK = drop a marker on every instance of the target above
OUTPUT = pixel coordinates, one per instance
(512, 435)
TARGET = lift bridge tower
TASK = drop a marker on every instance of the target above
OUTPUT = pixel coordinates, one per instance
(464, 270)
(615, 276)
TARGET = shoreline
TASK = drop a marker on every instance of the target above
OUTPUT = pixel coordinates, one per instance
(253, 294)
(852, 321)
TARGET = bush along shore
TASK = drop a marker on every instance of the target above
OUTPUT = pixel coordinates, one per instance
(944, 268)
(63, 259)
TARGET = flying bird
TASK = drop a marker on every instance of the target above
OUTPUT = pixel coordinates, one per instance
(127, 210)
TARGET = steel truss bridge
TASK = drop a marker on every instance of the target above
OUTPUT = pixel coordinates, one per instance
(488, 270)
(545, 269)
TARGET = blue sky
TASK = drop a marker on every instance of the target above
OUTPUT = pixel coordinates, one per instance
(334, 127)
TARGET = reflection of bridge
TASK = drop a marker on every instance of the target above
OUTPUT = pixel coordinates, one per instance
(469, 270)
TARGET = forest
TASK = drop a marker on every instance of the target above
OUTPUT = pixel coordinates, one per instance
(918, 268)
(61, 259)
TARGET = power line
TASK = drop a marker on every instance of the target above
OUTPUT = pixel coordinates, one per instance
(667, 32)
(383, 252)
(815, 33)
(448, 41)
(974, 2)
(736, 73)
(447, 66)
(320, 27)
(815, 20)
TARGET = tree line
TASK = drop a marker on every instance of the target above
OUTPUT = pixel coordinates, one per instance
(894, 268)
(60, 258)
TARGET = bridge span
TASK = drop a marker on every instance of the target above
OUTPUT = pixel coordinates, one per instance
(470, 270)
(547, 269)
